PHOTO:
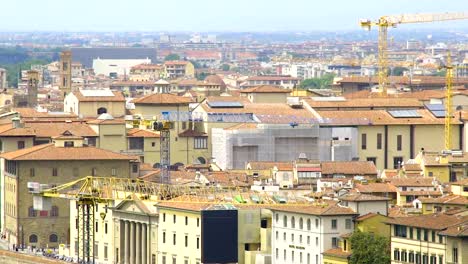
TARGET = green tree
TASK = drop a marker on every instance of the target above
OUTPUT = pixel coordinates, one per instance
(172, 57)
(196, 64)
(318, 83)
(201, 76)
(13, 70)
(225, 67)
(369, 248)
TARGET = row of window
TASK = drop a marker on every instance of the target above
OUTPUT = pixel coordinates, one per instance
(75, 172)
(174, 239)
(379, 141)
(397, 161)
(53, 238)
(293, 258)
(54, 212)
(300, 238)
(334, 222)
(174, 260)
(417, 257)
(417, 233)
(174, 219)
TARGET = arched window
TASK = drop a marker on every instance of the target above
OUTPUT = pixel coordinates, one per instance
(277, 217)
(308, 224)
(54, 212)
(202, 160)
(301, 223)
(293, 222)
(53, 238)
(101, 110)
(32, 238)
(285, 221)
(7, 102)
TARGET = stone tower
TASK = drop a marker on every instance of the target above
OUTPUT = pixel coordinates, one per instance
(33, 83)
(65, 72)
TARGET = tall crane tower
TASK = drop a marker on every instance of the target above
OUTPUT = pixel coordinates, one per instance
(384, 22)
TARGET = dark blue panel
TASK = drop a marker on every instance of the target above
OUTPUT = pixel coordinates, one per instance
(219, 236)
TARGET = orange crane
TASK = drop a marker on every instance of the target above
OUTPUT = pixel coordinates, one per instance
(384, 22)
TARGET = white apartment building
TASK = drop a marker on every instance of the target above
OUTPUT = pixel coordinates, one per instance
(301, 235)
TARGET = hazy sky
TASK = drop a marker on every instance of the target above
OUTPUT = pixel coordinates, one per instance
(209, 15)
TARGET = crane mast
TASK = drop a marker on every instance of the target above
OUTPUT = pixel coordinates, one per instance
(384, 22)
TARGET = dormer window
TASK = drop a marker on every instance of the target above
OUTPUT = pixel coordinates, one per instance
(69, 144)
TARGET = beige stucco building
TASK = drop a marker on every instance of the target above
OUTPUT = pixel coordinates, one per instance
(92, 103)
(64, 160)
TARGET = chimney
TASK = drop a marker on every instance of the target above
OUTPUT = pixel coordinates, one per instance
(16, 122)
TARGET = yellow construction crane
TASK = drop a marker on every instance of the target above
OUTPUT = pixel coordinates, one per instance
(448, 103)
(384, 22)
(90, 191)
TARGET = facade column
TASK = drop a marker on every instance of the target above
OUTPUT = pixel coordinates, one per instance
(127, 242)
(144, 246)
(121, 255)
(132, 242)
(138, 243)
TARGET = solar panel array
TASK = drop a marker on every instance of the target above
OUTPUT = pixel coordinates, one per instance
(438, 110)
(404, 113)
(225, 104)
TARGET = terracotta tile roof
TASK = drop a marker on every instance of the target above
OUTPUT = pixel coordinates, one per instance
(430, 221)
(163, 99)
(396, 212)
(267, 165)
(192, 133)
(272, 78)
(325, 208)
(349, 167)
(366, 216)
(187, 82)
(459, 230)
(366, 103)
(29, 113)
(264, 110)
(51, 152)
(116, 121)
(360, 197)
(337, 252)
(118, 97)
(48, 129)
(265, 89)
(225, 178)
(447, 199)
(203, 54)
(382, 117)
(375, 188)
(412, 182)
(136, 132)
(412, 167)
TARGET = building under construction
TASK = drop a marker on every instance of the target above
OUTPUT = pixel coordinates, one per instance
(234, 147)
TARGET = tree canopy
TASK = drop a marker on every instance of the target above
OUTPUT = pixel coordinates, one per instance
(318, 83)
(369, 248)
(172, 57)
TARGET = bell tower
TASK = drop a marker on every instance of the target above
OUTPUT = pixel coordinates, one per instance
(65, 72)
